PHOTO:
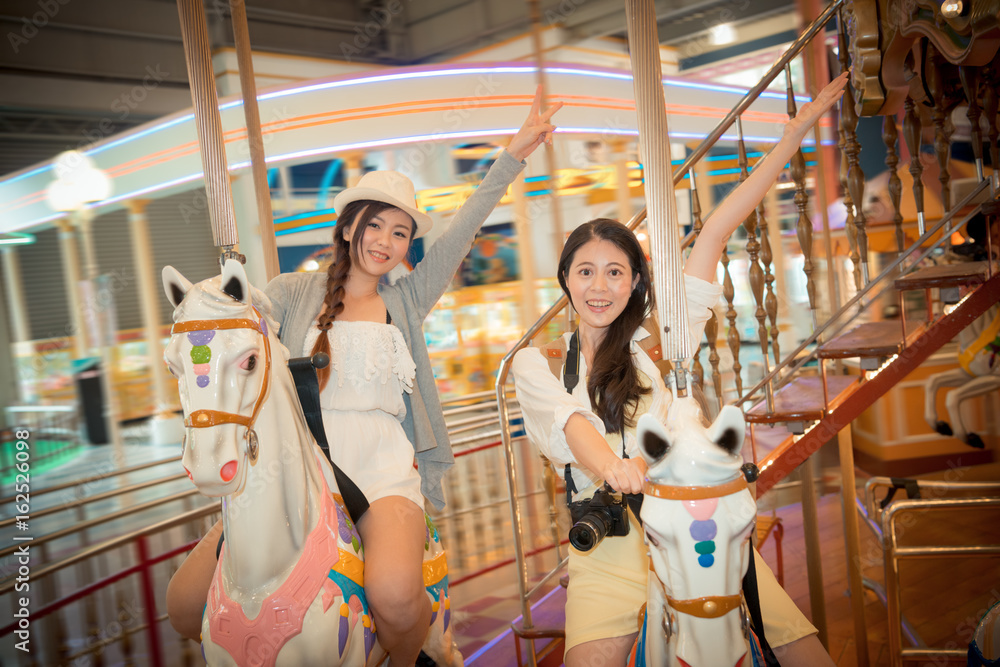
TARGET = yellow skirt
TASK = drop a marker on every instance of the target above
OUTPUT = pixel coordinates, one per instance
(607, 588)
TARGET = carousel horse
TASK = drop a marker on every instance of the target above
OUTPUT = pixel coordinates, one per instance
(289, 585)
(698, 514)
(979, 374)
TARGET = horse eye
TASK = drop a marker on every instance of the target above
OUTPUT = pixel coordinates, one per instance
(250, 363)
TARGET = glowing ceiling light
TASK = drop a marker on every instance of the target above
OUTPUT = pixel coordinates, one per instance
(724, 33)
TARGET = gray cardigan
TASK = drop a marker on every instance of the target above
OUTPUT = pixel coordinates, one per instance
(296, 300)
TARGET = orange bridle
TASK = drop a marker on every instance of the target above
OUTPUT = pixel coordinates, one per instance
(208, 418)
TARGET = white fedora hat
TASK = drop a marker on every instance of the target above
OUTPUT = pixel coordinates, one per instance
(389, 187)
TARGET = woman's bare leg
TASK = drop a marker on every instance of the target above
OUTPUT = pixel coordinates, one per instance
(611, 652)
(393, 533)
(187, 591)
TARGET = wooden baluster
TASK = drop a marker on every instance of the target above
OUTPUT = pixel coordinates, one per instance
(991, 106)
(855, 182)
(970, 82)
(803, 227)
(696, 368)
(911, 133)
(943, 127)
(733, 335)
(890, 137)
(712, 334)
(847, 101)
(770, 298)
(755, 272)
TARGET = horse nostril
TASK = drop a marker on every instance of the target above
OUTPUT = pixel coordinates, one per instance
(190, 476)
(228, 471)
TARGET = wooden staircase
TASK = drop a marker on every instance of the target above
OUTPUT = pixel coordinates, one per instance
(835, 403)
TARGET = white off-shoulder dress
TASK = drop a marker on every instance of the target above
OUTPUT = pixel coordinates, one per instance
(363, 408)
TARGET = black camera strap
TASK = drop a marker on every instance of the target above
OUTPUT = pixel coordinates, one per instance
(571, 378)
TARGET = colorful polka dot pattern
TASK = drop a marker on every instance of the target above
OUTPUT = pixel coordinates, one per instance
(703, 528)
(201, 354)
(703, 532)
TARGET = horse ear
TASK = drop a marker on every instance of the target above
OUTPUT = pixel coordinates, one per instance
(234, 281)
(729, 429)
(654, 443)
(175, 285)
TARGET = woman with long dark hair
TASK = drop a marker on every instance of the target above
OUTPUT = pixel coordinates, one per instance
(590, 426)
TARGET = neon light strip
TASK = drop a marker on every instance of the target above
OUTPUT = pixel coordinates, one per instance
(306, 228)
(392, 142)
(680, 83)
(304, 214)
(400, 76)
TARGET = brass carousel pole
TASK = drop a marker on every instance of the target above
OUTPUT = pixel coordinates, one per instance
(197, 53)
(661, 206)
(258, 165)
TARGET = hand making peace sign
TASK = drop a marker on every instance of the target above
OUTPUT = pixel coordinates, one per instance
(536, 129)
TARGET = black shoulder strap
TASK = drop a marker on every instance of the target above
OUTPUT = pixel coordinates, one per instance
(307, 386)
(571, 371)
(752, 597)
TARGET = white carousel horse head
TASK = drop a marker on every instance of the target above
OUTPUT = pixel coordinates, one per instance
(224, 371)
(698, 514)
(300, 600)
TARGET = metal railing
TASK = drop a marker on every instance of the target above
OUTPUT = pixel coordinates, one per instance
(888, 526)
(119, 582)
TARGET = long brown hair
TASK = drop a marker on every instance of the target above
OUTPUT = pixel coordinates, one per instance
(613, 385)
(344, 253)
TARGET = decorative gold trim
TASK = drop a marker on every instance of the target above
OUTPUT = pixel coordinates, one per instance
(712, 606)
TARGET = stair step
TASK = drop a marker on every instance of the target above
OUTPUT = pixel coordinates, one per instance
(871, 339)
(800, 400)
(944, 275)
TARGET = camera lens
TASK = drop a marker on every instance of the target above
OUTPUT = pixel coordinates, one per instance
(588, 532)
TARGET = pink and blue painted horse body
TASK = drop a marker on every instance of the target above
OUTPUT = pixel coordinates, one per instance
(289, 586)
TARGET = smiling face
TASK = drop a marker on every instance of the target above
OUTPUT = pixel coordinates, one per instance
(600, 283)
(384, 242)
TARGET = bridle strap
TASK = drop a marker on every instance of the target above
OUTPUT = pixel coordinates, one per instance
(209, 418)
(669, 492)
(712, 606)
(209, 325)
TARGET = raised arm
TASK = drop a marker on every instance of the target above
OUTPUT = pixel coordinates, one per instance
(737, 206)
(428, 281)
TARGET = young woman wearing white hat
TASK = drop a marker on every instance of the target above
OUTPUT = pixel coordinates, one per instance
(380, 405)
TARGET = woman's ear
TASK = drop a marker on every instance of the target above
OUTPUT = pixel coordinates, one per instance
(635, 280)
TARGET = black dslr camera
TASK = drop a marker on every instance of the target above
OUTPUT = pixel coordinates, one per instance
(593, 520)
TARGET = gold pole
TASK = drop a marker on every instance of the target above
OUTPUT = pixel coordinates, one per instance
(814, 560)
(258, 164)
(550, 156)
(853, 543)
(71, 275)
(654, 143)
(197, 54)
(526, 254)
